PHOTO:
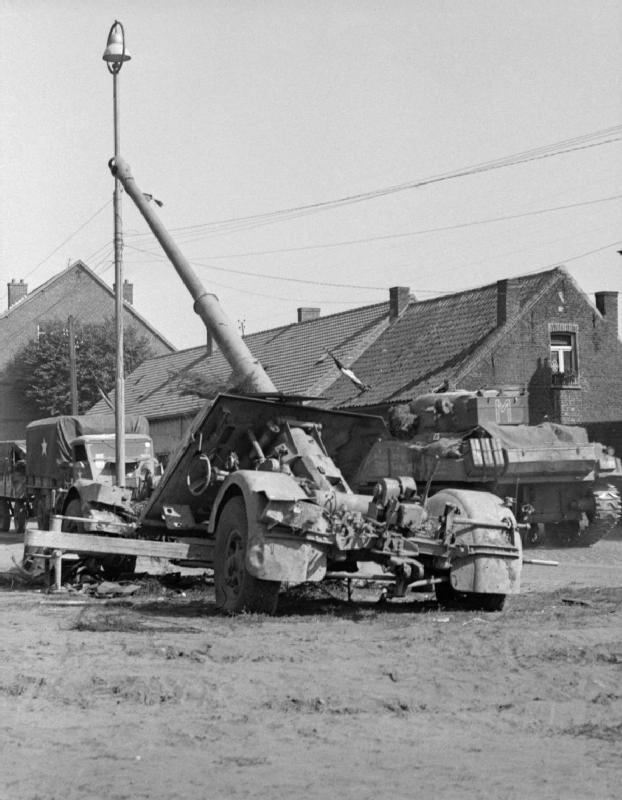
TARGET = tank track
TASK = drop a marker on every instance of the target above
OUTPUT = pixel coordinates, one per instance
(607, 512)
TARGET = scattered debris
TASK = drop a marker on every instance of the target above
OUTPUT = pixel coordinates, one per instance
(573, 601)
(114, 589)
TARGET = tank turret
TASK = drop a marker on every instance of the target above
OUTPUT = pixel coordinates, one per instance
(462, 410)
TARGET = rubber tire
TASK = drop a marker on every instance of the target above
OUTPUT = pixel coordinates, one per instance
(113, 566)
(42, 515)
(73, 509)
(5, 516)
(446, 595)
(449, 598)
(236, 589)
(21, 517)
(477, 505)
(29, 561)
(532, 537)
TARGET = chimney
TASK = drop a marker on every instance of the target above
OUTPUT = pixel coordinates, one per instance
(128, 291)
(399, 297)
(16, 291)
(508, 300)
(607, 304)
(306, 313)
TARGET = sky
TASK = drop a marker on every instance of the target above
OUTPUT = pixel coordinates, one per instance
(232, 110)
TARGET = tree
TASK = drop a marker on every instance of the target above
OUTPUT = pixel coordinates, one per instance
(41, 368)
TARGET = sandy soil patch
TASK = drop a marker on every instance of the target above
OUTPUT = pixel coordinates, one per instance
(160, 697)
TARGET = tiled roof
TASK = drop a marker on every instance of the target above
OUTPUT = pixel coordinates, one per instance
(294, 356)
(432, 341)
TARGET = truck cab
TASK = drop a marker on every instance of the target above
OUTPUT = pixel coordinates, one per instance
(94, 459)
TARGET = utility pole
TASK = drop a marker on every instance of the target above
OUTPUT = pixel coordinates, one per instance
(115, 55)
(73, 377)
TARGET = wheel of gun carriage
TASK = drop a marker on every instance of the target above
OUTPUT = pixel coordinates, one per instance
(236, 589)
(473, 505)
(449, 598)
(113, 566)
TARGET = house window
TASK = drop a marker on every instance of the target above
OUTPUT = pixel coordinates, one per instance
(564, 367)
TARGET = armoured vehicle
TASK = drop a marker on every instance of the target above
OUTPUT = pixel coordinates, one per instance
(560, 483)
(264, 480)
(70, 470)
(70, 466)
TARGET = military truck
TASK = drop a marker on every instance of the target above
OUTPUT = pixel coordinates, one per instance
(559, 482)
(14, 500)
(71, 467)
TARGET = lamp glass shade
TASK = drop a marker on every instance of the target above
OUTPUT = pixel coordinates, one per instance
(115, 51)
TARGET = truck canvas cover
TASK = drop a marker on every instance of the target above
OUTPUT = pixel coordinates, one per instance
(48, 441)
(547, 434)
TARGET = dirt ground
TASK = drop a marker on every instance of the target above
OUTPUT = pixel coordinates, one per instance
(159, 697)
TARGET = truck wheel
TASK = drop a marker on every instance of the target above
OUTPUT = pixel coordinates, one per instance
(21, 517)
(236, 589)
(5, 516)
(42, 514)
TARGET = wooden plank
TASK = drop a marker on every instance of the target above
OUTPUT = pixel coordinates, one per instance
(188, 549)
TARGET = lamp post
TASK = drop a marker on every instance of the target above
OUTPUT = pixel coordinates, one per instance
(115, 55)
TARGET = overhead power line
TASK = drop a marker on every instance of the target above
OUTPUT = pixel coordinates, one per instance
(595, 139)
(420, 232)
(162, 257)
(263, 274)
(64, 242)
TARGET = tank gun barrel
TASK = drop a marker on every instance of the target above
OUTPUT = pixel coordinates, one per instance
(248, 374)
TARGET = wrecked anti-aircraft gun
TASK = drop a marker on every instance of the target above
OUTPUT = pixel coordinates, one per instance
(264, 480)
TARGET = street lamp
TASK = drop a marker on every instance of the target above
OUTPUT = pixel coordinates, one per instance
(115, 55)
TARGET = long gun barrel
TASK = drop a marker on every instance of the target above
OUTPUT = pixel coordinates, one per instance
(248, 374)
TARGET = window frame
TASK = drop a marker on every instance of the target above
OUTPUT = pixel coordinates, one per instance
(564, 354)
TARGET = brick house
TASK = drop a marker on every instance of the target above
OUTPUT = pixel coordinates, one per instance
(539, 332)
(76, 291)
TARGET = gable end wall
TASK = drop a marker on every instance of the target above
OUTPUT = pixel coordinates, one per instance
(522, 357)
(75, 293)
